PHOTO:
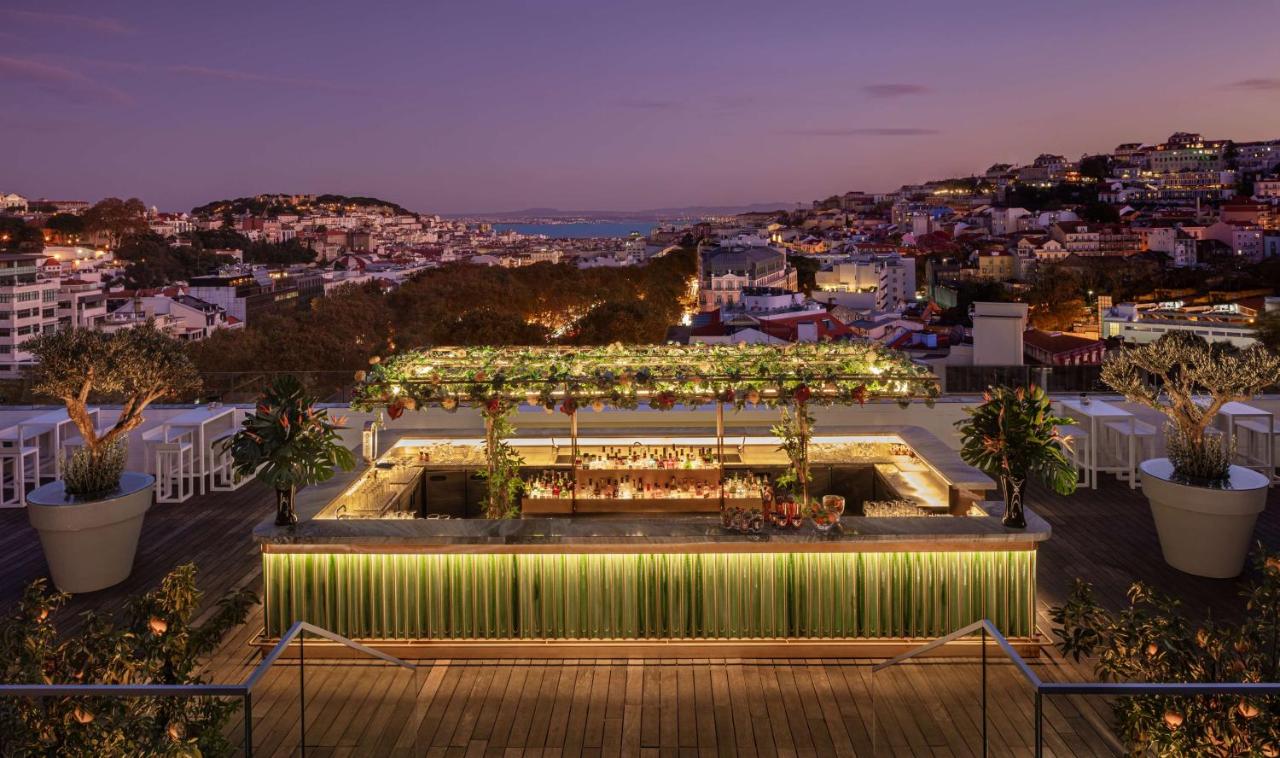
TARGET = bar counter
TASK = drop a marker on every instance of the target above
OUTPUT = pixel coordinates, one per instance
(627, 585)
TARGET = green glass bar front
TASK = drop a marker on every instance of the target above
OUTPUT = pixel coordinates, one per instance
(423, 596)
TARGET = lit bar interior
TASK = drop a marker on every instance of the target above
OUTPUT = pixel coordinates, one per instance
(637, 528)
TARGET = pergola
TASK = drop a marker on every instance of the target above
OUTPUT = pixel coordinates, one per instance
(497, 379)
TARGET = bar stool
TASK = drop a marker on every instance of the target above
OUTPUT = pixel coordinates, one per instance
(174, 467)
(19, 467)
(223, 476)
(1137, 437)
(1079, 452)
(1256, 441)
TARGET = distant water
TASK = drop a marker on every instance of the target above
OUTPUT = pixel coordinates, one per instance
(581, 229)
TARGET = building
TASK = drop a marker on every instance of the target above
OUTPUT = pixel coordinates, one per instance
(998, 330)
(28, 307)
(768, 315)
(883, 281)
(997, 265)
(81, 303)
(1224, 322)
(13, 202)
(725, 272)
(1185, 151)
(1059, 349)
(187, 318)
(251, 295)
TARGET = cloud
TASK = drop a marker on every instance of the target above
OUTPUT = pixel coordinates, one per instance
(894, 90)
(866, 131)
(1257, 85)
(69, 20)
(229, 75)
(642, 104)
(59, 81)
(219, 74)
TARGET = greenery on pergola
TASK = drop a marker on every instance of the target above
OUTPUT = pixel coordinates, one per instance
(497, 379)
(659, 376)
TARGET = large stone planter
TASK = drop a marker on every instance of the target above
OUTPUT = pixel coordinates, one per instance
(1206, 531)
(90, 545)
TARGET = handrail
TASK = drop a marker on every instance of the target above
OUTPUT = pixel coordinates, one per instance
(243, 690)
(1043, 689)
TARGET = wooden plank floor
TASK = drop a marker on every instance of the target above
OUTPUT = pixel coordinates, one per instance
(708, 707)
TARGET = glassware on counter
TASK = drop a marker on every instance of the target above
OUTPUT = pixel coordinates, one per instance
(826, 515)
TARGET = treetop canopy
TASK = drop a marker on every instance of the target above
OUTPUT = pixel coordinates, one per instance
(663, 376)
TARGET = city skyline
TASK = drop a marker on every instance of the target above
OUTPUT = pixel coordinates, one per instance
(463, 110)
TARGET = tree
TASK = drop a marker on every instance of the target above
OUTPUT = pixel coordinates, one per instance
(116, 219)
(288, 443)
(1095, 167)
(17, 236)
(1013, 434)
(135, 366)
(1099, 213)
(1152, 641)
(1267, 330)
(1171, 373)
(67, 226)
(158, 643)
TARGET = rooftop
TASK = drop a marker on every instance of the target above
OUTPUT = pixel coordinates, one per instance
(621, 706)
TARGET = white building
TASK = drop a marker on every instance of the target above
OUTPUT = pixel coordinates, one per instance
(28, 307)
(13, 202)
(885, 282)
(188, 318)
(1142, 323)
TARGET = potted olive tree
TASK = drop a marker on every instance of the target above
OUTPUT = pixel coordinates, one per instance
(287, 443)
(1204, 507)
(1013, 435)
(90, 520)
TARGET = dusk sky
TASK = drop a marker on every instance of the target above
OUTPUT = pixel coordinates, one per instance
(480, 106)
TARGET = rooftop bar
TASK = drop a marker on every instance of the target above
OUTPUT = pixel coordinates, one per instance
(652, 541)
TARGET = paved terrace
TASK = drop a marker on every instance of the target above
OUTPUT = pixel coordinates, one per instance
(677, 707)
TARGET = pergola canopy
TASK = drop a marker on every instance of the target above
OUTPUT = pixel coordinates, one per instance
(663, 376)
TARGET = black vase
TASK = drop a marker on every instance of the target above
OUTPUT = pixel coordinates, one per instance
(1011, 489)
(285, 515)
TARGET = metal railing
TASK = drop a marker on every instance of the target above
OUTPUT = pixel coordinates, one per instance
(243, 691)
(1043, 689)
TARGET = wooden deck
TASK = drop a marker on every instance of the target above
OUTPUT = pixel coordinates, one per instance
(675, 707)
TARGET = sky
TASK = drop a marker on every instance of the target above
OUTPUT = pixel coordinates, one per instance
(473, 106)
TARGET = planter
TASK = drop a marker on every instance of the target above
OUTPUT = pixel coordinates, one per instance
(90, 545)
(1204, 530)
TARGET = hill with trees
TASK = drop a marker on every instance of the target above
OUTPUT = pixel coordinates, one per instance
(281, 204)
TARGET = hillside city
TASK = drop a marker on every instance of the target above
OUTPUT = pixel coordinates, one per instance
(1181, 235)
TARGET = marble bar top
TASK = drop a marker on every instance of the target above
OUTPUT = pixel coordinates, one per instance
(695, 534)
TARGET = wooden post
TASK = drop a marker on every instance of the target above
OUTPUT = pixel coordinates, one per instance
(720, 447)
(573, 460)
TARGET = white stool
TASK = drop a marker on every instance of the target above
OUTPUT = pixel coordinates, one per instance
(1256, 444)
(223, 476)
(1079, 449)
(1138, 438)
(19, 467)
(174, 467)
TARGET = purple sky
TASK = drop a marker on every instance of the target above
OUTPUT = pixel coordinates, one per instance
(475, 106)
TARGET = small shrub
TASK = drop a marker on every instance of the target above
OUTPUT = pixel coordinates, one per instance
(157, 644)
(94, 473)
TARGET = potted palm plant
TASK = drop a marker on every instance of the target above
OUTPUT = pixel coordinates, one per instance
(1013, 435)
(287, 443)
(1204, 507)
(90, 520)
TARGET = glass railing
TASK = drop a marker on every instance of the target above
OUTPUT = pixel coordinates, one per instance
(281, 708)
(972, 692)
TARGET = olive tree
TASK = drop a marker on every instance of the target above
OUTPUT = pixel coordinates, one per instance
(1189, 380)
(135, 367)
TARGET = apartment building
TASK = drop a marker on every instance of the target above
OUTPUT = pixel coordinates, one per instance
(882, 281)
(28, 307)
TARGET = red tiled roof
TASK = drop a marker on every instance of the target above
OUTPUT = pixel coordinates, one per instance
(1056, 343)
